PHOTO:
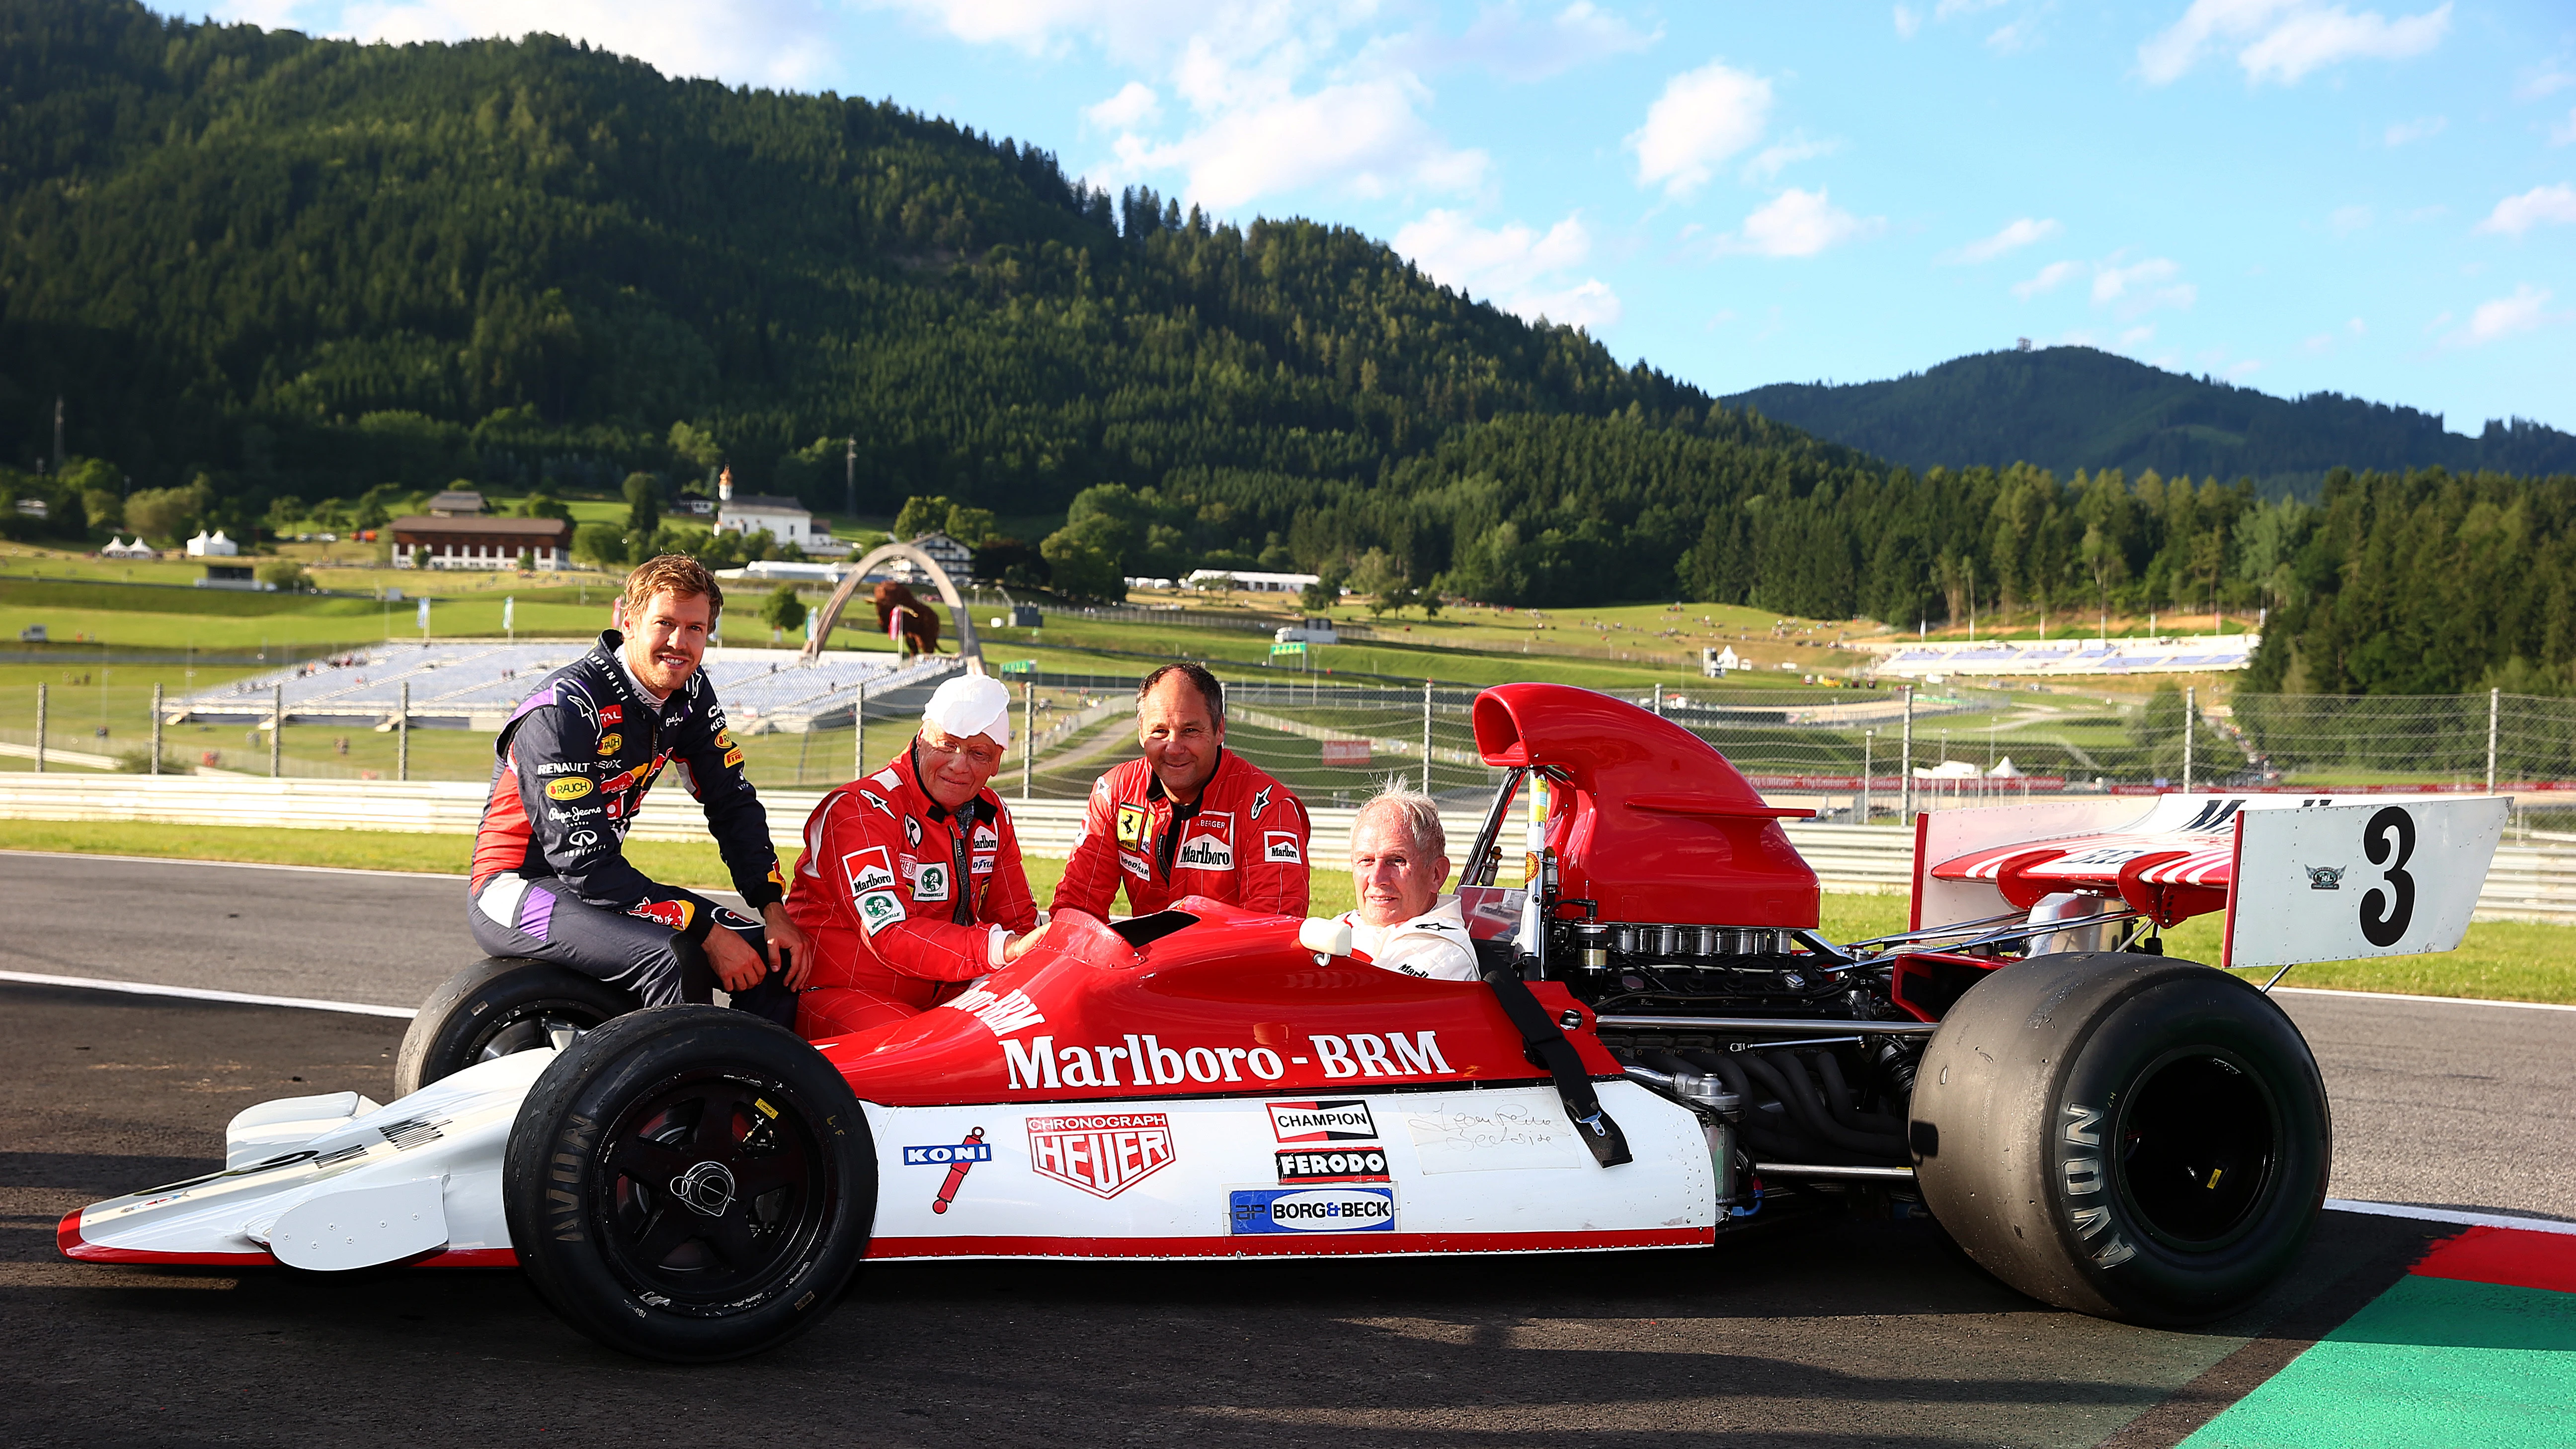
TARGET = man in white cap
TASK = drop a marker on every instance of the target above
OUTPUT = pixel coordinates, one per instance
(1399, 860)
(911, 885)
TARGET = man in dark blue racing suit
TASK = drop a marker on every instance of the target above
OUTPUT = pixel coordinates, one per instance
(550, 879)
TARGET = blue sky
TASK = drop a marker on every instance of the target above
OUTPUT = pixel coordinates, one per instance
(2297, 195)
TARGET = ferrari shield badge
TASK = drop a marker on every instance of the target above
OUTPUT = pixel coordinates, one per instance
(1131, 826)
(1103, 1155)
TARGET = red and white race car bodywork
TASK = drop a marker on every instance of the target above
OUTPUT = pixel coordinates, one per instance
(1663, 1048)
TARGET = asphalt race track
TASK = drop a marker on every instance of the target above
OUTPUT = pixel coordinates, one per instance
(1840, 1332)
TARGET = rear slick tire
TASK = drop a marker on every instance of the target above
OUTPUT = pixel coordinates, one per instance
(2127, 1136)
(691, 1184)
(497, 1006)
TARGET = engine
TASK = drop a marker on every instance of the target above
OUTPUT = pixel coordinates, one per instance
(1662, 893)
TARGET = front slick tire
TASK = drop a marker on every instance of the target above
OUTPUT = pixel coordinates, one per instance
(691, 1184)
(2126, 1136)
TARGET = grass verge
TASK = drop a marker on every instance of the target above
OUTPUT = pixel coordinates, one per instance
(2499, 961)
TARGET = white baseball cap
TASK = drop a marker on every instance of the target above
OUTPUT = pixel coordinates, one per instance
(971, 705)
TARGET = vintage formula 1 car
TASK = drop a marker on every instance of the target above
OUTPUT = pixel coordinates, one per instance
(1664, 1051)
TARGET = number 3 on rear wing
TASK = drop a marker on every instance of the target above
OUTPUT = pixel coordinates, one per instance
(2378, 878)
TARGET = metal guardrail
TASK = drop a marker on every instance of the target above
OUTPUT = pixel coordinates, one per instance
(2528, 881)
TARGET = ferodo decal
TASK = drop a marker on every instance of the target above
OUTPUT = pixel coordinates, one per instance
(571, 787)
(1312, 1210)
(2080, 1181)
(1131, 826)
(610, 743)
(674, 914)
(1321, 1121)
(1342, 1164)
(957, 1158)
(1143, 1061)
(1207, 843)
(1279, 847)
(1103, 1155)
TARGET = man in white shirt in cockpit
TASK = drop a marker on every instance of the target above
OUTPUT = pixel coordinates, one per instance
(1399, 861)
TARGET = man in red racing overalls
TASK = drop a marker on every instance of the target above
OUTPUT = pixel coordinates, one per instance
(1189, 819)
(550, 878)
(911, 885)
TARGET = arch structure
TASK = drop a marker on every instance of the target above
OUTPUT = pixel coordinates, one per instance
(968, 649)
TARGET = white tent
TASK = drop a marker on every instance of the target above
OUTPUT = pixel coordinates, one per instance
(117, 547)
(217, 546)
(2004, 770)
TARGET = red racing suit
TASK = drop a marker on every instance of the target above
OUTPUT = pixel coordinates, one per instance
(878, 893)
(1243, 843)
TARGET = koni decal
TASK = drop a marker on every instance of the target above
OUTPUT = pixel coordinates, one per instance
(1143, 1061)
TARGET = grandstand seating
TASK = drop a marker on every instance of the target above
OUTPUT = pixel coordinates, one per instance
(475, 684)
(2071, 656)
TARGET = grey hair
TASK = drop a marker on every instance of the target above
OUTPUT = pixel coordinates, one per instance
(1420, 814)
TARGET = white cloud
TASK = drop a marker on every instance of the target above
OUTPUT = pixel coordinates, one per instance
(2141, 286)
(2014, 37)
(2544, 82)
(2540, 206)
(2525, 311)
(2131, 290)
(2019, 233)
(1514, 47)
(1773, 159)
(1524, 270)
(1703, 117)
(2422, 128)
(745, 41)
(2048, 279)
(2284, 40)
(2566, 134)
(2346, 220)
(1129, 30)
(1134, 105)
(1799, 224)
(1260, 139)
(1907, 22)
(2137, 337)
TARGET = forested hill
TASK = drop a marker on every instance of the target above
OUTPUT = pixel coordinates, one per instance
(2066, 408)
(302, 265)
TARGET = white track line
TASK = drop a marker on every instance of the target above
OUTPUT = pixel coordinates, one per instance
(231, 864)
(2446, 1215)
(2402, 996)
(200, 993)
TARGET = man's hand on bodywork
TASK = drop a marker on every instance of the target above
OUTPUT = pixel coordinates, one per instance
(737, 966)
(788, 947)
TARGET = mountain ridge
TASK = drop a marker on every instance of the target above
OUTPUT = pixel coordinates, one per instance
(2069, 408)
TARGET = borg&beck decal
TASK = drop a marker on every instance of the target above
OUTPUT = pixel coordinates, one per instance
(1311, 1210)
(1103, 1154)
(1322, 1121)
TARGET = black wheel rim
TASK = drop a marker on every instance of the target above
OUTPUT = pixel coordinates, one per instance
(713, 1193)
(2199, 1148)
(531, 1025)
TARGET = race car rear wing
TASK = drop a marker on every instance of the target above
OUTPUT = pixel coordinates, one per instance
(2301, 878)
